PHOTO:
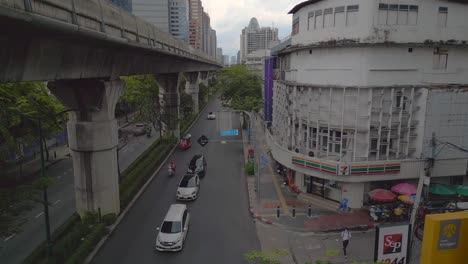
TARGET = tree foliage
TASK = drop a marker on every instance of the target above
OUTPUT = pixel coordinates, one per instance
(240, 88)
(22, 105)
(142, 94)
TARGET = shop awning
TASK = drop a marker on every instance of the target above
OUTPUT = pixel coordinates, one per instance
(404, 188)
(442, 189)
(382, 195)
(462, 190)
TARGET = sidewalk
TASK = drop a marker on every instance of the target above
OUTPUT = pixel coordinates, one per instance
(272, 196)
(32, 167)
(305, 238)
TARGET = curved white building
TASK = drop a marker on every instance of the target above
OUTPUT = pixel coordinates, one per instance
(364, 89)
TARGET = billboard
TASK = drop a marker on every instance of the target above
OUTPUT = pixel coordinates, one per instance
(268, 89)
(392, 243)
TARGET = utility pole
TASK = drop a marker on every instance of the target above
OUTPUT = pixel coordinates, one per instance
(45, 196)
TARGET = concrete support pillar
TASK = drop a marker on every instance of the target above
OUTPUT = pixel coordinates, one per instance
(93, 139)
(170, 101)
(192, 88)
(299, 181)
(204, 78)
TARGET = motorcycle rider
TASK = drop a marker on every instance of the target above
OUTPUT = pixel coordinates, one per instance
(172, 167)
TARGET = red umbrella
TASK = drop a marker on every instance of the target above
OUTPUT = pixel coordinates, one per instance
(404, 188)
(382, 195)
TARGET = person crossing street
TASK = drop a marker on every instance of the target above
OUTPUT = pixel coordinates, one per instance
(346, 236)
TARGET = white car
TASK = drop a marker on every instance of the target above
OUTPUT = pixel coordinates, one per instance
(188, 187)
(211, 116)
(174, 228)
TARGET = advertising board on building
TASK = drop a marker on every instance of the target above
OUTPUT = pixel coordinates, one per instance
(268, 89)
(392, 243)
(448, 234)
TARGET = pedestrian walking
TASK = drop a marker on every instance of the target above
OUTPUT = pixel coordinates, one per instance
(345, 236)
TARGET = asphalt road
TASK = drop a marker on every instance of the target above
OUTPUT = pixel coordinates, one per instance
(17, 247)
(221, 229)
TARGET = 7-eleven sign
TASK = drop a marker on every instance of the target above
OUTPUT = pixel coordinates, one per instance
(344, 170)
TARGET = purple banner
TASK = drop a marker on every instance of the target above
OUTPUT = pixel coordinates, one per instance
(268, 86)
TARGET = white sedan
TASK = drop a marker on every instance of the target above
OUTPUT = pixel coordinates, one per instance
(188, 187)
(211, 116)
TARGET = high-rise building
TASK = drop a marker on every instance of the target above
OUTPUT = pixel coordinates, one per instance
(154, 11)
(179, 19)
(355, 109)
(196, 24)
(238, 57)
(233, 60)
(205, 32)
(219, 55)
(212, 43)
(226, 60)
(125, 4)
(254, 37)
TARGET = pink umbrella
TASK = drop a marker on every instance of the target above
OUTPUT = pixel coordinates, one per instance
(382, 195)
(404, 188)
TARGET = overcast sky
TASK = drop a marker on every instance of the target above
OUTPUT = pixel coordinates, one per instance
(229, 17)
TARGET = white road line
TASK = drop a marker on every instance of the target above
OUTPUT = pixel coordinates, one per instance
(56, 202)
(10, 237)
(39, 214)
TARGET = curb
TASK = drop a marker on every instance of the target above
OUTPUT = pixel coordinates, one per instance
(135, 198)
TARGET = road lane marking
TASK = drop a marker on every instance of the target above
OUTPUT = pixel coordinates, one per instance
(10, 237)
(56, 202)
(275, 183)
(39, 214)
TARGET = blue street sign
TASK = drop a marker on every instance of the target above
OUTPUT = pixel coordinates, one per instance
(232, 132)
(264, 159)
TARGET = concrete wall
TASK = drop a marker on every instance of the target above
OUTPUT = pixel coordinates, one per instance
(377, 66)
(369, 25)
(447, 118)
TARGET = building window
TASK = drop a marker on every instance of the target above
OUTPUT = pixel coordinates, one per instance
(340, 20)
(397, 14)
(318, 19)
(310, 21)
(295, 27)
(440, 58)
(403, 11)
(392, 14)
(442, 17)
(328, 18)
(352, 15)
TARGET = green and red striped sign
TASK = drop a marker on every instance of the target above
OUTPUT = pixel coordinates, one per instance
(355, 169)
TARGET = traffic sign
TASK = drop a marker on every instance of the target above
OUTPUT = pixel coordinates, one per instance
(232, 132)
(202, 140)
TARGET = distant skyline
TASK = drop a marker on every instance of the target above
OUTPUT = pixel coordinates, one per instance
(228, 18)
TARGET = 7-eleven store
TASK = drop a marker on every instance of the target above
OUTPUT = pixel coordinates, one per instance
(339, 180)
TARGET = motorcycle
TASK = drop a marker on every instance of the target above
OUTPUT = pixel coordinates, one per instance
(171, 171)
(373, 213)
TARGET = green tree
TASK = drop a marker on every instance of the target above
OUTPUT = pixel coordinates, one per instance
(240, 88)
(142, 93)
(22, 105)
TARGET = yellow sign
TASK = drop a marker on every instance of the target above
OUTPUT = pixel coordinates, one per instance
(445, 239)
